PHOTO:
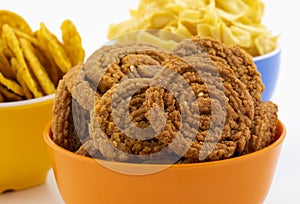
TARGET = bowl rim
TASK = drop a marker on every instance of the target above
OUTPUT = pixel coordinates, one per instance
(27, 102)
(56, 148)
(274, 52)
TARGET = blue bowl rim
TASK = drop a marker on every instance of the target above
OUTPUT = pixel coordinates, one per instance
(268, 55)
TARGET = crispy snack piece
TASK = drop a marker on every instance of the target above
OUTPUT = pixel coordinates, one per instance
(12, 42)
(263, 129)
(97, 63)
(5, 68)
(44, 54)
(4, 49)
(79, 87)
(15, 21)
(56, 49)
(15, 68)
(72, 42)
(113, 143)
(226, 109)
(62, 123)
(122, 62)
(36, 67)
(70, 119)
(11, 85)
(238, 60)
(9, 95)
(30, 38)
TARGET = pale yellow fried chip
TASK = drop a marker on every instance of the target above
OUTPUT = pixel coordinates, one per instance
(254, 13)
(204, 29)
(8, 95)
(13, 43)
(256, 29)
(36, 67)
(14, 66)
(235, 36)
(190, 15)
(216, 31)
(148, 37)
(175, 8)
(72, 42)
(231, 9)
(56, 49)
(160, 19)
(180, 29)
(260, 44)
(15, 21)
(11, 85)
(190, 19)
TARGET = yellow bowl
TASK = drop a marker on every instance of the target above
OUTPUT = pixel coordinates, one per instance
(244, 179)
(24, 159)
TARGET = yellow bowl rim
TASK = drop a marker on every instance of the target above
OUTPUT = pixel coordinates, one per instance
(26, 102)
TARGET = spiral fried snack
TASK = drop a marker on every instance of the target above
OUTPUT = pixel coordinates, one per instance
(135, 102)
(264, 126)
(67, 112)
(238, 60)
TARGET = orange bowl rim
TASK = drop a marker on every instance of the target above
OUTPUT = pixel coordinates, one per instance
(50, 143)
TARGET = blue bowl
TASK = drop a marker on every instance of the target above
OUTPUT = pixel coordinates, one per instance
(268, 65)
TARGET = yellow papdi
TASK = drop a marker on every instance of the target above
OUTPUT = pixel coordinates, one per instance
(236, 22)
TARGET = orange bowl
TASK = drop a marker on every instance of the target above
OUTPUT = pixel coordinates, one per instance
(244, 179)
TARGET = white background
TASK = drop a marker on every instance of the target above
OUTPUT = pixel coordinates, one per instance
(92, 19)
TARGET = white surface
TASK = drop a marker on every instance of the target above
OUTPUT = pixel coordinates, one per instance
(92, 19)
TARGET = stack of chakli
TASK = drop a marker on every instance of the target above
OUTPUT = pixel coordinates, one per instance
(132, 102)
